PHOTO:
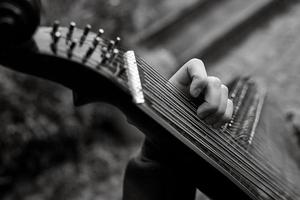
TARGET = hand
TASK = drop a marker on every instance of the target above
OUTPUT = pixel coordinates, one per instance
(193, 80)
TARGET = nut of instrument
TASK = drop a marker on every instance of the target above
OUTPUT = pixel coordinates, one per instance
(134, 81)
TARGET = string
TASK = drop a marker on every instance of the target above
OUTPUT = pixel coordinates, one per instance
(179, 119)
(166, 97)
(182, 97)
(187, 104)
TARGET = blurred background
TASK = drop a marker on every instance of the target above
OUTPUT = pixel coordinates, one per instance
(51, 150)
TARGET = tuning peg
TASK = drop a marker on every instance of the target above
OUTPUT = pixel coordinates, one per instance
(72, 27)
(55, 40)
(113, 56)
(119, 70)
(96, 41)
(111, 45)
(100, 33)
(115, 53)
(117, 41)
(86, 31)
(89, 53)
(55, 27)
(71, 48)
(108, 56)
(56, 37)
(105, 55)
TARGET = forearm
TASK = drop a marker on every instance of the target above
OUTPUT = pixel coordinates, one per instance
(148, 178)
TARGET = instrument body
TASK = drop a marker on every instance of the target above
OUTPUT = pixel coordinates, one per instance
(239, 159)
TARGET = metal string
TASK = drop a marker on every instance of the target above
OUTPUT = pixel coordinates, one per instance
(188, 106)
(169, 101)
(182, 96)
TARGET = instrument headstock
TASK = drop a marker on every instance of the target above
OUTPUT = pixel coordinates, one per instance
(80, 59)
(87, 48)
(73, 49)
(83, 46)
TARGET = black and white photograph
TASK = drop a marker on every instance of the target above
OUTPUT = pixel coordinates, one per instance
(149, 99)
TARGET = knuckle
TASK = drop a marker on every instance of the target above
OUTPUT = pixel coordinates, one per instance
(196, 77)
(215, 81)
(196, 62)
(204, 80)
(225, 88)
(230, 106)
(200, 80)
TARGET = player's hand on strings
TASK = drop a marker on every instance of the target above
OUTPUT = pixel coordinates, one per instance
(193, 80)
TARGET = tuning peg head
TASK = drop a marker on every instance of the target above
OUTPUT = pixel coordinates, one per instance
(96, 41)
(100, 33)
(55, 39)
(117, 41)
(111, 45)
(55, 27)
(87, 29)
(107, 57)
(72, 27)
(115, 53)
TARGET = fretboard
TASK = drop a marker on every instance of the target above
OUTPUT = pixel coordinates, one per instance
(227, 148)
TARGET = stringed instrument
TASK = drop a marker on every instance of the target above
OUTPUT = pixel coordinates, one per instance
(245, 159)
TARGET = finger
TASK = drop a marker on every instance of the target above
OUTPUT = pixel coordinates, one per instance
(219, 115)
(229, 111)
(227, 116)
(212, 98)
(192, 73)
(197, 86)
